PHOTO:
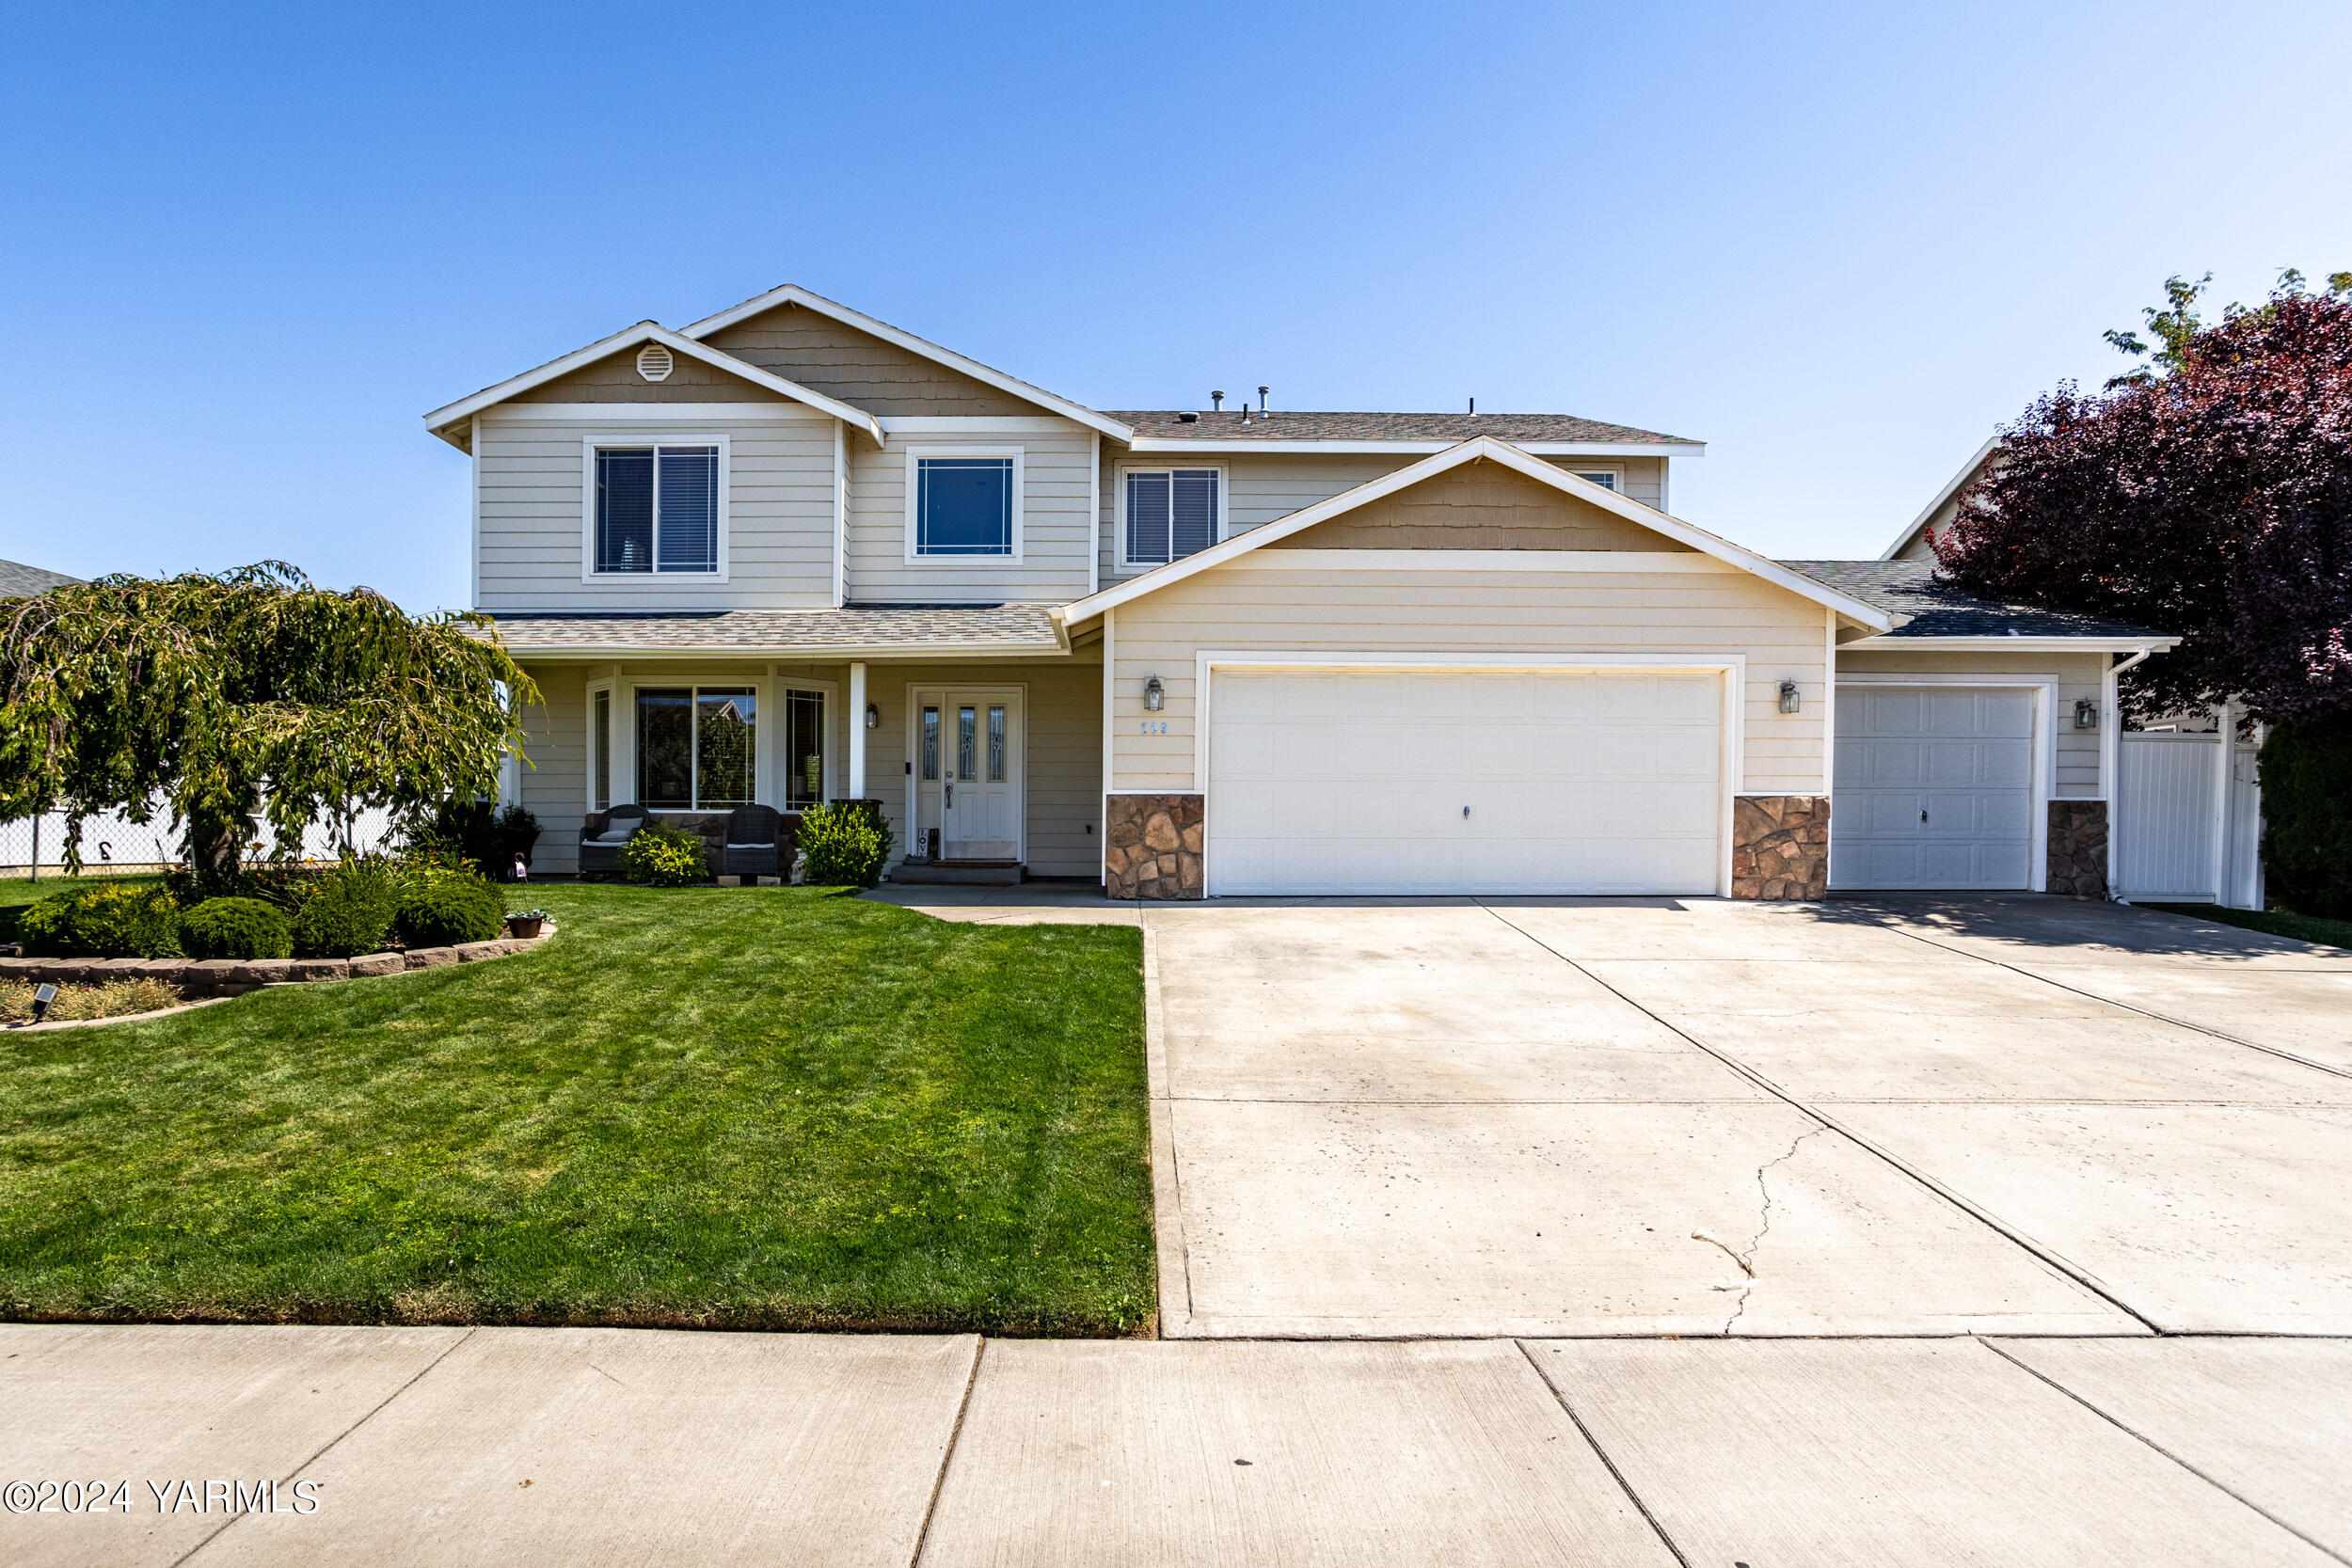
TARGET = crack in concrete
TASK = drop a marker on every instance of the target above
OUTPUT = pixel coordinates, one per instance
(1764, 1224)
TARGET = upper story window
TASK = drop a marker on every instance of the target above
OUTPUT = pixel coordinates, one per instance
(1170, 513)
(657, 509)
(964, 506)
(1608, 479)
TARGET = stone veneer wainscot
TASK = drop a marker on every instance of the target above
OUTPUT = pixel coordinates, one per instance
(1780, 847)
(1152, 846)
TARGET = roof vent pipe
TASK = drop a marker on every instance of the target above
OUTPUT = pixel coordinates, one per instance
(1262, 392)
(1216, 399)
(1473, 405)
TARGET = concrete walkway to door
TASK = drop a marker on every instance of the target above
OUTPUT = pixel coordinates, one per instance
(1909, 1116)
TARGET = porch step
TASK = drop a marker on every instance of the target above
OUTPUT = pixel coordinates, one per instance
(971, 872)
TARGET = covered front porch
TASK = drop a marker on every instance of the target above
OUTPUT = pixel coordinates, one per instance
(984, 768)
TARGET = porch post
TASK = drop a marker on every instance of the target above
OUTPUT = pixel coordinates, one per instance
(856, 781)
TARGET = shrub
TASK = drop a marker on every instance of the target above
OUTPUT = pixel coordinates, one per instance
(284, 886)
(477, 834)
(843, 844)
(351, 913)
(235, 928)
(106, 921)
(663, 854)
(2307, 816)
(447, 910)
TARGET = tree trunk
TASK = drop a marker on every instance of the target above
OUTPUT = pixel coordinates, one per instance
(218, 837)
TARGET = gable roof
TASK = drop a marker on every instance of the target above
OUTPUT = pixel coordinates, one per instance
(1564, 435)
(792, 293)
(1928, 609)
(1951, 487)
(1509, 456)
(441, 419)
(19, 582)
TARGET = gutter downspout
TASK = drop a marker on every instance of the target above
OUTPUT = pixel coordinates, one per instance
(2112, 751)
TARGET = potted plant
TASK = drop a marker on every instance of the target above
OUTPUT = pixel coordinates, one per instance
(527, 924)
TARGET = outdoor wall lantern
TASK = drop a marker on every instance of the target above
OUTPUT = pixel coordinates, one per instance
(2086, 714)
(873, 717)
(1790, 701)
(1154, 695)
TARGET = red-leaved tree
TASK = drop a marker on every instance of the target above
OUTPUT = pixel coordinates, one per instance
(2214, 501)
(2210, 496)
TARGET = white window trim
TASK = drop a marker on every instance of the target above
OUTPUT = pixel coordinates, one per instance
(781, 688)
(1581, 469)
(1119, 506)
(610, 687)
(763, 738)
(589, 447)
(1020, 504)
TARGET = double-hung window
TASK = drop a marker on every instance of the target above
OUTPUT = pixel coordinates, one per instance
(963, 505)
(696, 747)
(657, 509)
(1170, 513)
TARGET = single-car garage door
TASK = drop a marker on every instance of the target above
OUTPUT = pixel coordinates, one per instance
(1934, 787)
(1444, 780)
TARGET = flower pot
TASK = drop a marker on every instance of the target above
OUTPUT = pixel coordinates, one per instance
(524, 925)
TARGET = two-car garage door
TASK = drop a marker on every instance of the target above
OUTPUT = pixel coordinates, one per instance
(1390, 781)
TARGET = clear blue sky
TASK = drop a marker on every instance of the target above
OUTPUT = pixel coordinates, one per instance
(242, 249)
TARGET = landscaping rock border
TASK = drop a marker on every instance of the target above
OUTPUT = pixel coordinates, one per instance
(235, 976)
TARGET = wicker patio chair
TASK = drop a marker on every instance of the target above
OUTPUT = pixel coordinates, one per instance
(753, 847)
(600, 851)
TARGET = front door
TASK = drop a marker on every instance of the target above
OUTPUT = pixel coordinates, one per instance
(968, 796)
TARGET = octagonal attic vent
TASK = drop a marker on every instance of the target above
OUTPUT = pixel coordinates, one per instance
(653, 362)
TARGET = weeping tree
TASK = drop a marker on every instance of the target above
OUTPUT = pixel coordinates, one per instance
(243, 699)
(2207, 492)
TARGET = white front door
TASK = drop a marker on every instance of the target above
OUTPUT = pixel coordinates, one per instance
(1934, 787)
(968, 773)
(1390, 781)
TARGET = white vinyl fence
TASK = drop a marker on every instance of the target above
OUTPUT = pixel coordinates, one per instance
(2180, 835)
(112, 842)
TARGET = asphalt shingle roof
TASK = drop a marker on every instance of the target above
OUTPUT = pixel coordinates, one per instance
(1283, 425)
(1940, 610)
(1010, 627)
(17, 580)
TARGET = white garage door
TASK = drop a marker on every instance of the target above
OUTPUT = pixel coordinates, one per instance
(1392, 781)
(1934, 787)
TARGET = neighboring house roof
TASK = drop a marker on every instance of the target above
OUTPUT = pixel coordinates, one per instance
(1434, 431)
(1509, 456)
(1928, 609)
(441, 420)
(854, 629)
(1943, 499)
(792, 293)
(18, 580)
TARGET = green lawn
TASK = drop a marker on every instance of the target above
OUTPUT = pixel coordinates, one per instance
(757, 1108)
(2277, 923)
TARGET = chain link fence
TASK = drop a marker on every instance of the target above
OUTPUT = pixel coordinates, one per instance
(112, 842)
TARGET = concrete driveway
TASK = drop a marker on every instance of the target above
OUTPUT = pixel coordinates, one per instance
(2013, 1116)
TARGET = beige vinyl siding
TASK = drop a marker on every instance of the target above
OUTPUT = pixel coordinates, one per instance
(1265, 488)
(1480, 506)
(1477, 614)
(1058, 483)
(1644, 477)
(615, 379)
(555, 753)
(859, 368)
(534, 512)
(2078, 675)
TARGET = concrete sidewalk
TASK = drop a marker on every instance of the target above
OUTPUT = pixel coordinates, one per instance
(516, 1447)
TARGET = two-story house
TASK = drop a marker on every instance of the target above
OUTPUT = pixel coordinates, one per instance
(791, 553)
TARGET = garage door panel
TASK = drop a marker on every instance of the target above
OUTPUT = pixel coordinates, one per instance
(1356, 782)
(1934, 788)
